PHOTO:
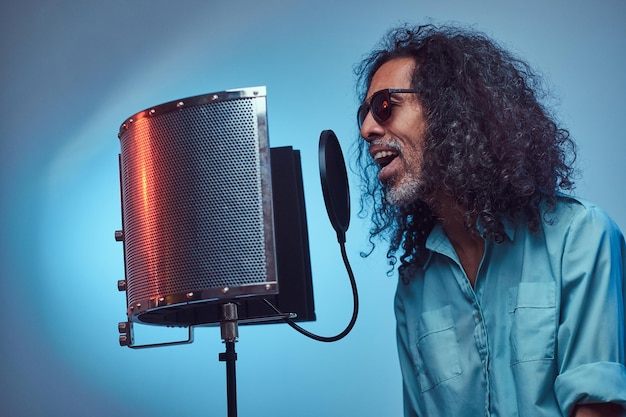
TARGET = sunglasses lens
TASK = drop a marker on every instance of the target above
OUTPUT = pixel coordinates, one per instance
(381, 106)
(362, 113)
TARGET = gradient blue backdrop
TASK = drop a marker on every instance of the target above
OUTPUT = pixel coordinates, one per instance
(72, 71)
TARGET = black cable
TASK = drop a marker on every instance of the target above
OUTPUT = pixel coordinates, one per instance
(355, 310)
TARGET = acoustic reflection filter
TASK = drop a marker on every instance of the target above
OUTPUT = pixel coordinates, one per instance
(197, 204)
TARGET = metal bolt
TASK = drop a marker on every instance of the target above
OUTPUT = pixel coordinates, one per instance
(124, 340)
(122, 327)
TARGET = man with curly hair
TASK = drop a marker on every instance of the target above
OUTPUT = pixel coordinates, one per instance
(511, 294)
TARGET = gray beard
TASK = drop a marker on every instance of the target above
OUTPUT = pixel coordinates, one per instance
(403, 193)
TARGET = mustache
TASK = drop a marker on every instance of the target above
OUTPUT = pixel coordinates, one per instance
(386, 144)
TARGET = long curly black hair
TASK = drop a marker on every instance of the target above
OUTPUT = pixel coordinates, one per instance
(491, 143)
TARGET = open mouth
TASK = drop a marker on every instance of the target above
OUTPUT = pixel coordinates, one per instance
(384, 158)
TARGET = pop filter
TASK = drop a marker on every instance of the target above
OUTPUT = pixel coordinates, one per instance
(334, 183)
(337, 199)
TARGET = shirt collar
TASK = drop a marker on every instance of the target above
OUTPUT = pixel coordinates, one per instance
(509, 228)
(438, 241)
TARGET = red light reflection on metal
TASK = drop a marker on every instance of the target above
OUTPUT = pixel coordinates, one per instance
(147, 190)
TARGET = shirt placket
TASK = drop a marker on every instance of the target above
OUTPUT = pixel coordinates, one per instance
(481, 341)
(441, 245)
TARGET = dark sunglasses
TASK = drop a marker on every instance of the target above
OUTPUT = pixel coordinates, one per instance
(380, 105)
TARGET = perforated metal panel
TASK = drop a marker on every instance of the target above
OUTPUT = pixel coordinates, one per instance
(197, 202)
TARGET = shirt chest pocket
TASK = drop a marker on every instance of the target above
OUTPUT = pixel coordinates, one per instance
(437, 348)
(532, 321)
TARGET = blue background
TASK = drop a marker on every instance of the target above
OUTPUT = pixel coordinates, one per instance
(72, 71)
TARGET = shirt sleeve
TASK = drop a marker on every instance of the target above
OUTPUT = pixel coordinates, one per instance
(591, 334)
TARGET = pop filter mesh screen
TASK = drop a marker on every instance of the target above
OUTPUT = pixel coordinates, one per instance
(197, 202)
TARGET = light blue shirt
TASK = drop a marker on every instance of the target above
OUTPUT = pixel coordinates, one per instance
(542, 329)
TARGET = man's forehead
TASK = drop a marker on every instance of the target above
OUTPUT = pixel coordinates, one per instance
(396, 73)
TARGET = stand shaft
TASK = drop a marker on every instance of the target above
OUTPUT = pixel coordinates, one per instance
(230, 333)
(230, 357)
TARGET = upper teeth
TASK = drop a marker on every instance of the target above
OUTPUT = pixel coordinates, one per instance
(383, 154)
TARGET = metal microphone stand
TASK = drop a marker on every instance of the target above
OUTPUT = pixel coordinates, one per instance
(230, 333)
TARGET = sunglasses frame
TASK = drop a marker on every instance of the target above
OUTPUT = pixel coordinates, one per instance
(366, 107)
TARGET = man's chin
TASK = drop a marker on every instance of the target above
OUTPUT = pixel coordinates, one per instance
(402, 193)
(399, 199)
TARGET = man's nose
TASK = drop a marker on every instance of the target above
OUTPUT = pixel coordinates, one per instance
(371, 129)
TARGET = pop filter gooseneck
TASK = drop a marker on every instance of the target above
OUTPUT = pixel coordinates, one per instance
(337, 198)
